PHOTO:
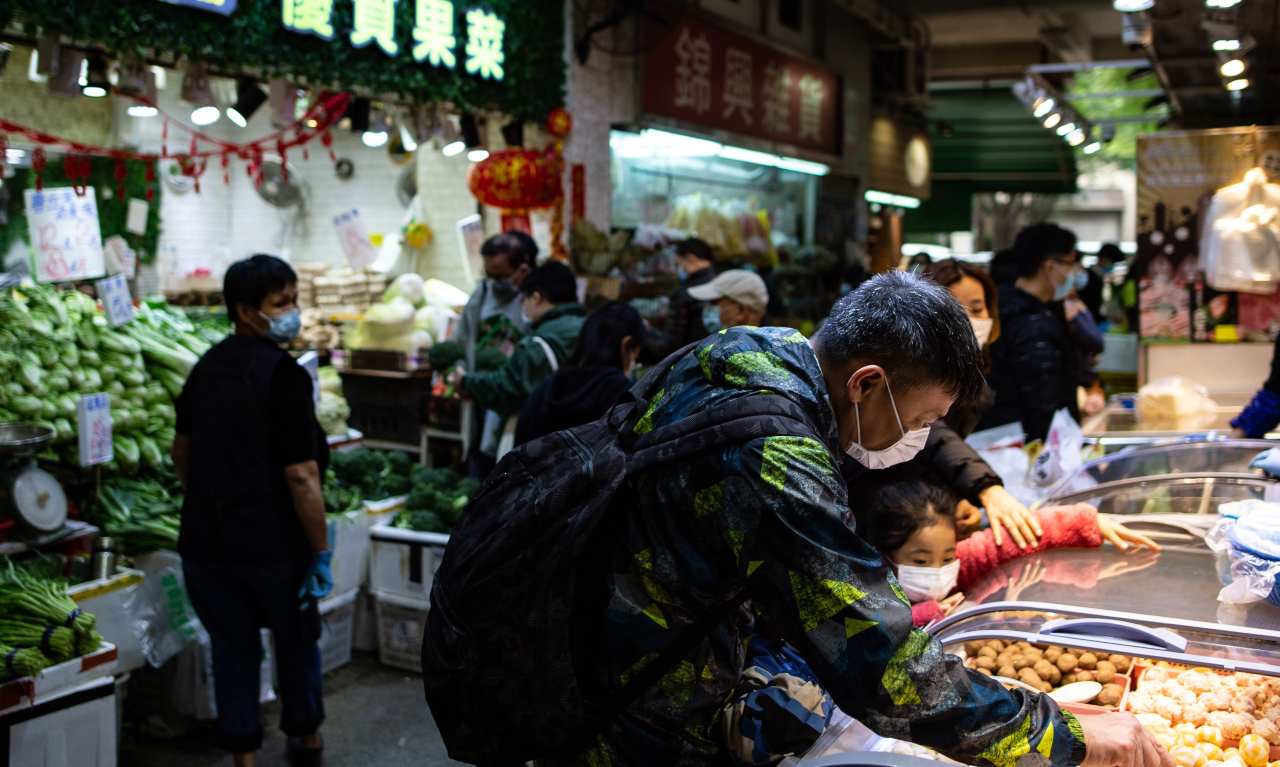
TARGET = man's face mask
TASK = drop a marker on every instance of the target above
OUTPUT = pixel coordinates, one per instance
(901, 451)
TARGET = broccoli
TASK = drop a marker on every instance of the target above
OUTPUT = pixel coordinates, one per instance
(439, 478)
(357, 467)
(421, 521)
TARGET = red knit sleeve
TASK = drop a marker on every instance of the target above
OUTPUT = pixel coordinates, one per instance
(924, 613)
(1067, 527)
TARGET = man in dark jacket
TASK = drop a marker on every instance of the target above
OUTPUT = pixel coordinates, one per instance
(684, 315)
(1034, 363)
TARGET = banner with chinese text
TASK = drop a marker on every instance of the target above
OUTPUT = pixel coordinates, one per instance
(701, 74)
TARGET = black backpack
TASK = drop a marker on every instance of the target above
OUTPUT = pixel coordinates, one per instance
(498, 663)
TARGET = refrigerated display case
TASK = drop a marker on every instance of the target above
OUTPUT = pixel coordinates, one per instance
(1117, 426)
(1180, 457)
(1186, 495)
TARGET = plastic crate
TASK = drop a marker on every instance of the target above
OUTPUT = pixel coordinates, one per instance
(401, 623)
(403, 563)
(337, 629)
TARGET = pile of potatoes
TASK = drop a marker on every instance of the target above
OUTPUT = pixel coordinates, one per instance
(1048, 668)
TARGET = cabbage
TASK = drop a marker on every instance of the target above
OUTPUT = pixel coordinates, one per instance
(408, 286)
(397, 311)
(332, 412)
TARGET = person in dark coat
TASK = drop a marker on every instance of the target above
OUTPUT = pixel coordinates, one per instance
(1034, 365)
(684, 314)
(597, 375)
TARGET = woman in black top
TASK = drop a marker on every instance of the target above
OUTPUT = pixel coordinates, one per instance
(254, 544)
(597, 375)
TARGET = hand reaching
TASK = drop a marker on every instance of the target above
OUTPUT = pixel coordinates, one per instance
(1122, 537)
(1006, 513)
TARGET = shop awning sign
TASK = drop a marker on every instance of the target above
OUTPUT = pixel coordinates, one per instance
(703, 75)
(436, 32)
(223, 7)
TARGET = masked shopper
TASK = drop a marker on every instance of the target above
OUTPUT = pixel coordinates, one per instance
(1034, 363)
(253, 539)
(696, 266)
(494, 318)
(736, 297)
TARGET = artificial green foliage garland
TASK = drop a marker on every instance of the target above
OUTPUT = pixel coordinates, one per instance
(254, 38)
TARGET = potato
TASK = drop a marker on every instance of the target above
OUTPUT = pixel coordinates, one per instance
(1052, 654)
(1110, 695)
(972, 647)
(988, 652)
(1088, 661)
(1046, 687)
(1067, 678)
(1085, 676)
(1121, 663)
(996, 645)
(1044, 669)
(1105, 672)
(1035, 653)
(1030, 677)
(985, 672)
(1067, 662)
(1004, 659)
(987, 663)
(1008, 671)
(1021, 661)
(1055, 674)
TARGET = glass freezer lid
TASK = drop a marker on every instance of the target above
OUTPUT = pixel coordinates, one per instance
(1174, 590)
(1183, 457)
(1168, 493)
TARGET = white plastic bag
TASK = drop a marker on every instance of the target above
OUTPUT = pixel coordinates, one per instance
(1175, 404)
(163, 618)
(1060, 457)
(1248, 538)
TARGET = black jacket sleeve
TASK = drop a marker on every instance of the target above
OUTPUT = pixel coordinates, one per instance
(956, 464)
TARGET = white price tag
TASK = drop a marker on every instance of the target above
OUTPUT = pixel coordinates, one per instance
(135, 221)
(354, 239)
(116, 301)
(120, 257)
(93, 423)
(66, 243)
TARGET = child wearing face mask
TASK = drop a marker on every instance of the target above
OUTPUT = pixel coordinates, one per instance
(911, 522)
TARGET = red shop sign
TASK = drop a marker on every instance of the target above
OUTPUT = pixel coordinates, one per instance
(704, 75)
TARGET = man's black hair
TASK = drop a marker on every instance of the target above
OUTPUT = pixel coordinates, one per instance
(1038, 243)
(518, 247)
(554, 281)
(908, 325)
(1110, 253)
(600, 342)
(250, 280)
(1004, 267)
(696, 248)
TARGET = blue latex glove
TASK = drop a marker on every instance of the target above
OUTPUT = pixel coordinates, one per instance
(319, 579)
(1268, 461)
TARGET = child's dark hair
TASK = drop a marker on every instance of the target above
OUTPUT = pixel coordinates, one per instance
(600, 342)
(892, 511)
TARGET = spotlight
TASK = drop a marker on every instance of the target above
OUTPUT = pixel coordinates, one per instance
(375, 133)
(1076, 138)
(67, 76)
(453, 148)
(1232, 68)
(249, 97)
(206, 115)
(1043, 107)
(407, 139)
(1238, 84)
(197, 92)
(1132, 6)
(1092, 147)
(478, 155)
(1052, 120)
(96, 85)
(470, 140)
(1226, 46)
(1066, 128)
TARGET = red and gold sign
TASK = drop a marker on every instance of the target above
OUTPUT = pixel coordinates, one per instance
(516, 178)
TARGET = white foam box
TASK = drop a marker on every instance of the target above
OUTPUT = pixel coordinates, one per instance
(337, 630)
(108, 599)
(403, 563)
(349, 541)
(401, 623)
(377, 512)
(75, 728)
(33, 690)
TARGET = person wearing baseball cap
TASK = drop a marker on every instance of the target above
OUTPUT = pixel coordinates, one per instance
(735, 297)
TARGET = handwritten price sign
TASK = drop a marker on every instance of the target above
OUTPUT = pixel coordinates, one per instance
(93, 423)
(116, 301)
(354, 239)
(66, 243)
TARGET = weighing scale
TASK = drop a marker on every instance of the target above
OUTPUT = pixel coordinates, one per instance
(28, 494)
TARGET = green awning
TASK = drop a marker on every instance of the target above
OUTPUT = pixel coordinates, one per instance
(985, 140)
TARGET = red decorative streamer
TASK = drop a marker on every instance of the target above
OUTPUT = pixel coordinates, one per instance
(37, 164)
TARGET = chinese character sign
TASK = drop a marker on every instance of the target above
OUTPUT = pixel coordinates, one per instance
(116, 301)
(433, 38)
(484, 44)
(93, 425)
(375, 22)
(66, 243)
(701, 74)
(312, 17)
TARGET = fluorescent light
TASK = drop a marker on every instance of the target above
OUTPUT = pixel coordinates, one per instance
(206, 115)
(374, 138)
(1077, 137)
(774, 161)
(478, 155)
(802, 166)
(1092, 148)
(94, 91)
(1052, 120)
(1066, 128)
(454, 148)
(896, 200)
(1238, 85)
(14, 155)
(1044, 107)
(748, 155)
(142, 110)
(1221, 3)
(1232, 68)
(1132, 6)
(1226, 45)
(651, 143)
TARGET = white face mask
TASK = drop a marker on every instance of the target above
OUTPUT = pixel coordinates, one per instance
(921, 583)
(903, 450)
(982, 329)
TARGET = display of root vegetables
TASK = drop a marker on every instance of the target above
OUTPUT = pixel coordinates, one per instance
(1048, 668)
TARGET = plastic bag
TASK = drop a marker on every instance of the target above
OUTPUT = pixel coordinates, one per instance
(1175, 404)
(163, 618)
(1060, 457)
(1247, 538)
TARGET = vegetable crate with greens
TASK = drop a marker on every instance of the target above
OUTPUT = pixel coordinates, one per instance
(142, 513)
(41, 625)
(436, 501)
(55, 345)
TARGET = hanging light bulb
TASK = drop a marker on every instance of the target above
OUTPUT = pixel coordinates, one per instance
(96, 85)
(1052, 120)
(1093, 147)
(478, 155)
(1077, 137)
(375, 133)
(249, 98)
(197, 92)
(1066, 128)
(1043, 107)
(1238, 84)
(1232, 68)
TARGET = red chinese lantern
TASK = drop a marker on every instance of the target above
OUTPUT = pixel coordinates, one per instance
(516, 178)
(559, 122)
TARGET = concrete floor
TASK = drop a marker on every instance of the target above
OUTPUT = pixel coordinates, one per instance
(375, 715)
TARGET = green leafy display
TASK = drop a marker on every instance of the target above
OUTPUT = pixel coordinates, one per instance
(253, 38)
